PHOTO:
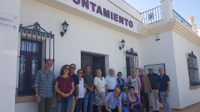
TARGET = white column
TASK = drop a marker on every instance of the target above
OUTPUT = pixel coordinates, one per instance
(166, 6)
(9, 10)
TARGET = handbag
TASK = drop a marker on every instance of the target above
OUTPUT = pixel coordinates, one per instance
(59, 97)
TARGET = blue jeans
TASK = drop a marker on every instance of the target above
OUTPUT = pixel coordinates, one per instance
(165, 102)
(67, 102)
(88, 102)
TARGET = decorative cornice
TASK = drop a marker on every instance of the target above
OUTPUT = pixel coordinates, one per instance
(171, 25)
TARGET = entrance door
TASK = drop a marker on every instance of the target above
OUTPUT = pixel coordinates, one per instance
(95, 61)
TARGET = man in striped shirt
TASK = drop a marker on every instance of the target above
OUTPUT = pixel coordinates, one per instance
(44, 82)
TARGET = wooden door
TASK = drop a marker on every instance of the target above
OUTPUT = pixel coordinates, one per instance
(98, 63)
(86, 59)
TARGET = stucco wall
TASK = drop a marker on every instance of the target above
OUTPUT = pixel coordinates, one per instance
(156, 52)
(181, 48)
(82, 35)
(8, 56)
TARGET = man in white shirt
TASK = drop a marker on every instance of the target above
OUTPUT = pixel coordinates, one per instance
(111, 80)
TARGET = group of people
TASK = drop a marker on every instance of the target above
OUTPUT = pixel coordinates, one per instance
(79, 92)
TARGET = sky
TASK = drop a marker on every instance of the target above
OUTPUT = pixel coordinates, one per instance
(185, 8)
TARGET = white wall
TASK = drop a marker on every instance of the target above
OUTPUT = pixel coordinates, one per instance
(8, 57)
(156, 52)
(82, 35)
(182, 47)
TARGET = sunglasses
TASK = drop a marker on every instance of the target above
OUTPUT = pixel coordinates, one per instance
(72, 67)
(66, 68)
(80, 72)
(150, 69)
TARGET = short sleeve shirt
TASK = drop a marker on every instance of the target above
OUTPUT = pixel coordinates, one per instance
(100, 83)
(65, 84)
(111, 82)
(88, 78)
(45, 82)
(112, 103)
(76, 82)
(162, 80)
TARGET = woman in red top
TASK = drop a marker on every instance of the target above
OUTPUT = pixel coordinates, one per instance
(64, 87)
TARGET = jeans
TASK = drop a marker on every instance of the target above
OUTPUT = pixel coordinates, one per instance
(146, 99)
(154, 99)
(165, 102)
(79, 105)
(88, 102)
(67, 102)
(45, 105)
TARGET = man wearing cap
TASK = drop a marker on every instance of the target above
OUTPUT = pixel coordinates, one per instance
(44, 82)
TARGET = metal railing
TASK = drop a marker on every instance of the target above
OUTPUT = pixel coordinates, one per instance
(176, 15)
(151, 16)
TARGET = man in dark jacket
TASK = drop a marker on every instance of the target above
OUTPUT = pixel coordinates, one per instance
(153, 78)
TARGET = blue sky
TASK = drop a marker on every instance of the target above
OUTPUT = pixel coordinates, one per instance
(185, 8)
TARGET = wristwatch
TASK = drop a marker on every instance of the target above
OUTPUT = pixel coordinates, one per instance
(36, 95)
(167, 90)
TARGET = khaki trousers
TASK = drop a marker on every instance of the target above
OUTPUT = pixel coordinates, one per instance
(154, 99)
(73, 104)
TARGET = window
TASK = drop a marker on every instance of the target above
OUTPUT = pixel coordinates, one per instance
(36, 46)
(193, 69)
(131, 61)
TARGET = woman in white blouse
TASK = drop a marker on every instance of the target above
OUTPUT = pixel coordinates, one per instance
(100, 89)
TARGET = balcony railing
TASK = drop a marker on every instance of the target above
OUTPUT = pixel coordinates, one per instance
(152, 16)
(176, 15)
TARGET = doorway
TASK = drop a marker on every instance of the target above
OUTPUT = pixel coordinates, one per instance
(95, 61)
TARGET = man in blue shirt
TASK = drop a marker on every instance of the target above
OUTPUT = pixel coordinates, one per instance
(113, 102)
(44, 82)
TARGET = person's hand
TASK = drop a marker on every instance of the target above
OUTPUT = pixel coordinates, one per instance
(109, 110)
(66, 95)
(100, 95)
(85, 93)
(38, 99)
(106, 92)
(91, 89)
(139, 93)
(62, 94)
(166, 95)
(76, 98)
(132, 106)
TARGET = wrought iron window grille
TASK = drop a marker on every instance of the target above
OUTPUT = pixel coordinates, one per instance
(131, 52)
(193, 69)
(37, 46)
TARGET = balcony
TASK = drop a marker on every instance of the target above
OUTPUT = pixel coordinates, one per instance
(154, 15)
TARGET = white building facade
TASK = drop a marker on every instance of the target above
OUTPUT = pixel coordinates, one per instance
(94, 34)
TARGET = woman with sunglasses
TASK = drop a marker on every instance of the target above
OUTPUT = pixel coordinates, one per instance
(64, 87)
(120, 81)
(82, 92)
